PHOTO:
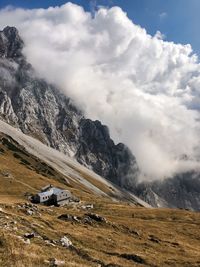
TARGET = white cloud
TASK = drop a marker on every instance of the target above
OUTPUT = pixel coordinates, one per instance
(163, 15)
(145, 89)
(160, 35)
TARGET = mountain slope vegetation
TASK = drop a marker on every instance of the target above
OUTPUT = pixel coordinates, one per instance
(126, 234)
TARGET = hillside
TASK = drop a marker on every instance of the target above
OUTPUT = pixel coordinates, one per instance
(70, 169)
(125, 234)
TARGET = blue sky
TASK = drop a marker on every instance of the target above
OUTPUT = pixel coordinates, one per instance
(178, 20)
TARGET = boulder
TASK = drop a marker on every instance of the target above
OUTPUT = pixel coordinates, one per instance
(96, 217)
(66, 242)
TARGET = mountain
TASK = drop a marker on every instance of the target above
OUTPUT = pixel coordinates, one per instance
(54, 165)
(108, 227)
(181, 191)
(40, 110)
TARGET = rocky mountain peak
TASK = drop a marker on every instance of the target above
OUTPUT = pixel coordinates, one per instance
(41, 110)
(11, 43)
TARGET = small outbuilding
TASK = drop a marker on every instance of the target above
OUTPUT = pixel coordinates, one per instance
(51, 195)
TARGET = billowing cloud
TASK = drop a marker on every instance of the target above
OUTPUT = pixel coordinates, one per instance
(145, 89)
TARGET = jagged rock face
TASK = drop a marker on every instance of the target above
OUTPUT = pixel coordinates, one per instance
(39, 109)
(96, 146)
(181, 191)
(146, 193)
(10, 43)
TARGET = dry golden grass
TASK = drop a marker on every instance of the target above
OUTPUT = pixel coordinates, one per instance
(161, 237)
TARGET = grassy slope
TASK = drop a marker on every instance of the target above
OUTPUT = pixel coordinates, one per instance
(161, 237)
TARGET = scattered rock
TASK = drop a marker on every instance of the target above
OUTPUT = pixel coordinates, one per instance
(154, 239)
(54, 262)
(135, 232)
(6, 174)
(29, 212)
(96, 217)
(87, 220)
(68, 217)
(13, 222)
(175, 243)
(29, 235)
(66, 242)
(133, 257)
(29, 209)
(87, 207)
